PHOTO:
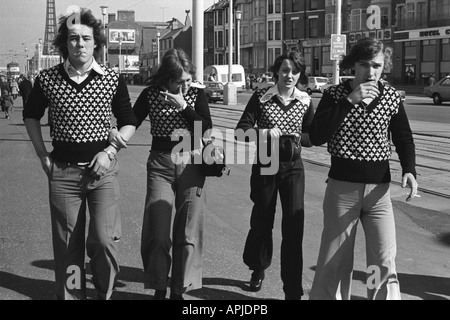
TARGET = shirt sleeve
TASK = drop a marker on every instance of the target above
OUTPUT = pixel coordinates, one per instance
(250, 114)
(328, 117)
(36, 104)
(403, 140)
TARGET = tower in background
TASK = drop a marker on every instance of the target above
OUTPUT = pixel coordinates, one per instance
(50, 28)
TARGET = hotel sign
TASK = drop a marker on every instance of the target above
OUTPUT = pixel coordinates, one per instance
(423, 34)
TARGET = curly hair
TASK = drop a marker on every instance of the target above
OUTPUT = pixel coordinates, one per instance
(86, 18)
(366, 49)
(299, 64)
(173, 63)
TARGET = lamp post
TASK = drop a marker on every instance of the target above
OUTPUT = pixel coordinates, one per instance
(120, 50)
(158, 36)
(338, 31)
(104, 12)
(229, 89)
(39, 54)
(238, 14)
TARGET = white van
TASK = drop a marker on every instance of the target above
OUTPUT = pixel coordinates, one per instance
(220, 73)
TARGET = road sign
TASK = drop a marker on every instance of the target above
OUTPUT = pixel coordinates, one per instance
(338, 46)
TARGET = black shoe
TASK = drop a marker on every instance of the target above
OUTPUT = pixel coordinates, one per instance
(256, 280)
(160, 295)
(176, 297)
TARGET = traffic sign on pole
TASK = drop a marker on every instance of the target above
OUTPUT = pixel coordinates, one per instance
(338, 46)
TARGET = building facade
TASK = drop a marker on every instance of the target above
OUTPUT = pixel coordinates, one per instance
(418, 31)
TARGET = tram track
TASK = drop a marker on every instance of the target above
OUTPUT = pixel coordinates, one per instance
(432, 152)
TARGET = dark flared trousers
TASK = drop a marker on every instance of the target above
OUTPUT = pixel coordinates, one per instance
(289, 182)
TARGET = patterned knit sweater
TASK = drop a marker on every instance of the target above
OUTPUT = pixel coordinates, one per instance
(358, 137)
(293, 118)
(79, 114)
(166, 120)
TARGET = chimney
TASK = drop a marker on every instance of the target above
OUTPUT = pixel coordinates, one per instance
(126, 15)
(174, 24)
(111, 17)
(187, 23)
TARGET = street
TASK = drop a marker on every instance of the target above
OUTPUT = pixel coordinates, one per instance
(26, 270)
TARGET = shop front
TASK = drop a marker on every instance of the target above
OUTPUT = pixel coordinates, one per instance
(420, 54)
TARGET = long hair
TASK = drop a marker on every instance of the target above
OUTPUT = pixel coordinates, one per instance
(86, 18)
(173, 63)
(299, 64)
(366, 49)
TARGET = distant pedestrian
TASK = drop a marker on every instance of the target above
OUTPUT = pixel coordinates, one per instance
(7, 103)
(357, 119)
(14, 88)
(81, 97)
(431, 80)
(279, 112)
(25, 87)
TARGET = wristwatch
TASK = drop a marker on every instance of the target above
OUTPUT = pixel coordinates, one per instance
(111, 154)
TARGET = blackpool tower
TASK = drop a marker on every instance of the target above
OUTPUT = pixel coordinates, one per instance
(50, 28)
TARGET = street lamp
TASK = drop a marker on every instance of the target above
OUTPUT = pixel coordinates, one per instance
(104, 12)
(158, 36)
(229, 89)
(238, 14)
(39, 54)
(120, 49)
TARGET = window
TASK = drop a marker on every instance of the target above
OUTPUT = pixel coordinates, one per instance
(270, 30)
(277, 6)
(313, 28)
(261, 32)
(219, 20)
(410, 14)
(385, 14)
(329, 23)
(313, 4)
(296, 5)
(428, 50)
(270, 56)
(421, 14)
(445, 50)
(278, 30)
(356, 19)
(245, 34)
(326, 59)
(439, 9)
(270, 7)
(295, 29)
(410, 50)
(401, 21)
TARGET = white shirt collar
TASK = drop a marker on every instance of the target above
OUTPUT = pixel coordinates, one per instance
(94, 66)
(273, 91)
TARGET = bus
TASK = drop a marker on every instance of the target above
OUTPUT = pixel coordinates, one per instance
(12, 70)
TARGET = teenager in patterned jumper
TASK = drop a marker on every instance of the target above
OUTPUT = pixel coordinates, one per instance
(81, 97)
(273, 112)
(173, 102)
(356, 119)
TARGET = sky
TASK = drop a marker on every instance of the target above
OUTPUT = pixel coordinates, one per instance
(23, 21)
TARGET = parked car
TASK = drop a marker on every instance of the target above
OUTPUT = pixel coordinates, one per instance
(440, 91)
(330, 82)
(262, 85)
(314, 84)
(213, 91)
(402, 92)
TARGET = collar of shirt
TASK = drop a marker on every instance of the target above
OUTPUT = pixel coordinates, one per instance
(273, 91)
(78, 76)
